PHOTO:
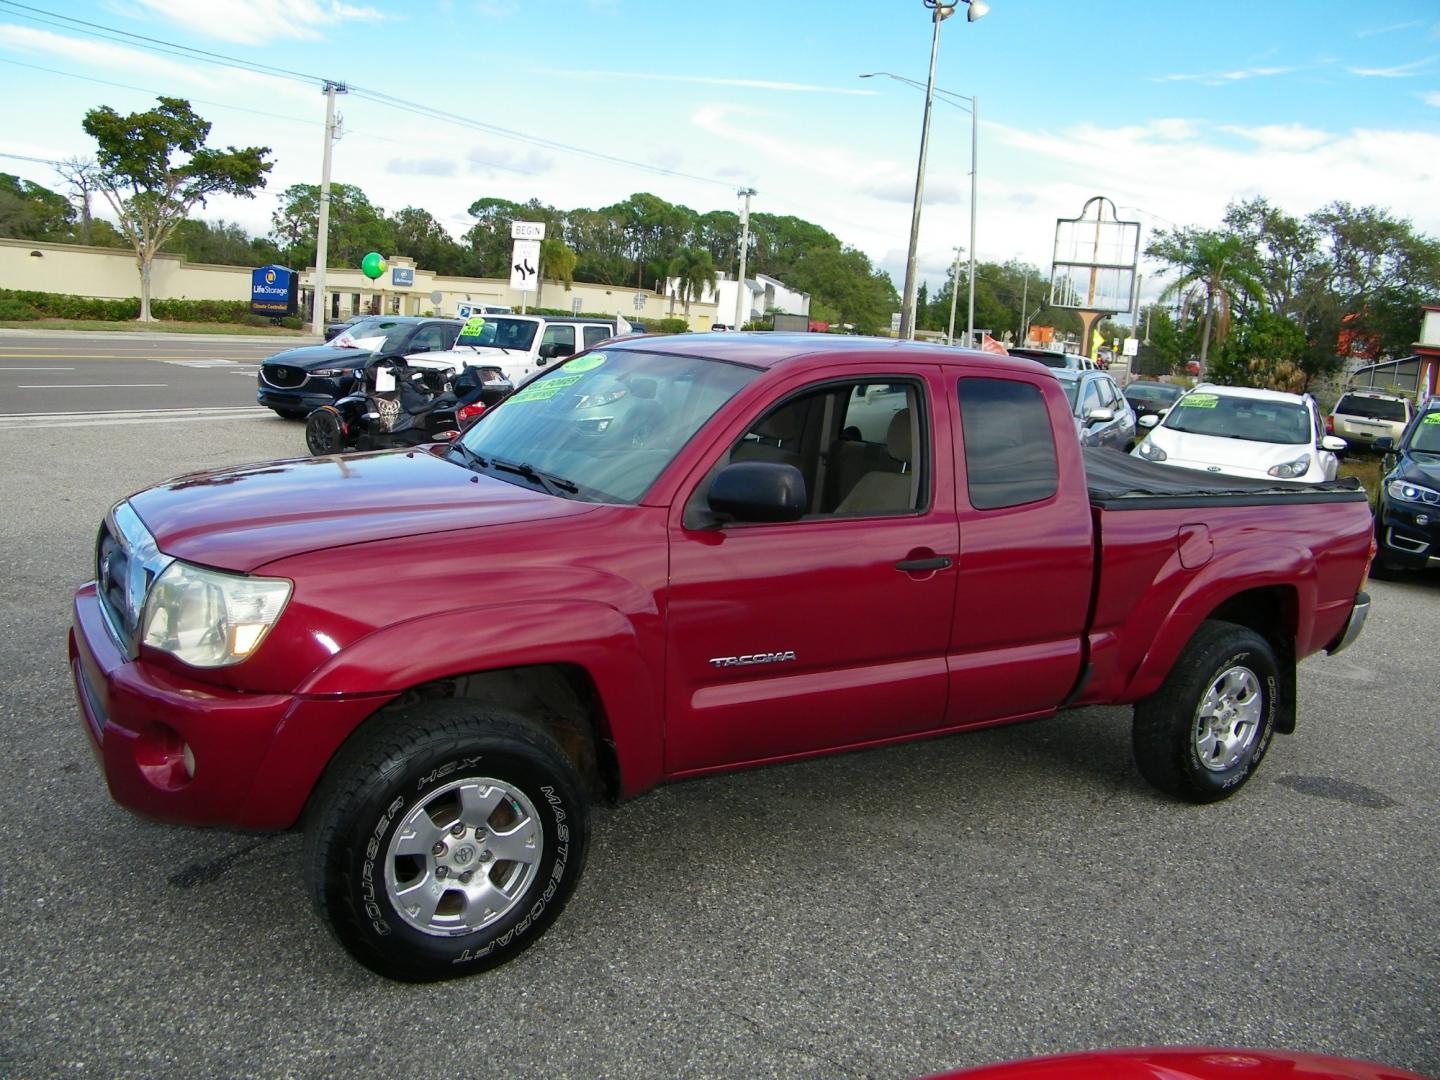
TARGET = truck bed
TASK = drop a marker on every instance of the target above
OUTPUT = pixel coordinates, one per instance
(1119, 481)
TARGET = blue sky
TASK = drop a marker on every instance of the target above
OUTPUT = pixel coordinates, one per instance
(1171, 107)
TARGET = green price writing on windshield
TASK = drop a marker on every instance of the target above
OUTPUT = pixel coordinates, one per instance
(473, 326)
(1431, 418)
(545, 390)
(1199, 401)
(589, 362)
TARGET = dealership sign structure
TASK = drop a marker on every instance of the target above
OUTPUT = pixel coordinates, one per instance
(1093, 271)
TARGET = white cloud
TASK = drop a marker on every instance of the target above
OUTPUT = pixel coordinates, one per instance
(1399, 71)
(1431, 98)
(715, 80)
(253, 22)
(1281, 136)
(1376, 31)
(1220, 78)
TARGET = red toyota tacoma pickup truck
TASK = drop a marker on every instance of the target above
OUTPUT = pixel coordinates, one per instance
(675, 557)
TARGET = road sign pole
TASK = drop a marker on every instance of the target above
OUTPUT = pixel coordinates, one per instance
(322, 230)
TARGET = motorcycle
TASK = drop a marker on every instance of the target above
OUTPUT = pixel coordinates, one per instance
(402, 403)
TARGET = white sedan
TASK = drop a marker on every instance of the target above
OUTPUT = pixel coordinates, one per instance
(1242, 432)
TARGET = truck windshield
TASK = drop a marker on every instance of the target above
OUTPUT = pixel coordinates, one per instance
(503, 333)
(606, 422)
(1252, 419)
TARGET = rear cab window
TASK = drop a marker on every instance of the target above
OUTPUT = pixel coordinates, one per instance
(1009, 445)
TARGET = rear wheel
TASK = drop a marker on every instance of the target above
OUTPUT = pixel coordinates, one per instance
(325, 431)
(1202, 734)
(444, 841)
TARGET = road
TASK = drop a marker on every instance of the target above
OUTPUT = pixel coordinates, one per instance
(50, 377)
(989, 896)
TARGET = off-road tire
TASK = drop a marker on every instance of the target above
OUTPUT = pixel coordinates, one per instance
(406, 760)
(1169, 735)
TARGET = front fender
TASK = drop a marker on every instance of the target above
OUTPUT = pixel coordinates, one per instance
(1215, 583)
(621, 661)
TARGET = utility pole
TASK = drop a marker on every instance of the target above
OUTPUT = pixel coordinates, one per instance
(740, 289)
(974, 180)
(322, 232)
(1024, 307)
(954, 295)
(907, 301)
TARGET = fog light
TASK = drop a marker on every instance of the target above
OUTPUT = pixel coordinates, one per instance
(1422, 519)
(164, 759)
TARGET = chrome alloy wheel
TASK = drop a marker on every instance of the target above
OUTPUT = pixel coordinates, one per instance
(463, 857)
(1228, 719)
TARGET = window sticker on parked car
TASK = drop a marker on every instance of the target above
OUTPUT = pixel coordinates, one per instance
(473, 326)
(1199, 401)
(586, 363)
(1431, 418)
(544, 391)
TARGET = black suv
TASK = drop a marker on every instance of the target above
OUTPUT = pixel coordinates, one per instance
(297, 382)
(1407, 510)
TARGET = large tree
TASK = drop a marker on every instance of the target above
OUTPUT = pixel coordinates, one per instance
(30, 211)
(154, 168)
(556, 261)
(357, 226)
(1216, 268)
(694, 272)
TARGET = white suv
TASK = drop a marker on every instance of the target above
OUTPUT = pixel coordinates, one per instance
(1243, 432)
(520, 345)
(1362, 416)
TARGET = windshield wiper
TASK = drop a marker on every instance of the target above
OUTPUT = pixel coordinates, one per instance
(551, 483)
(470, 455)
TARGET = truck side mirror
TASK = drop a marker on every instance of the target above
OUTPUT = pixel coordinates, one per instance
(759, 491)
(1385, 444)
(1100, 416)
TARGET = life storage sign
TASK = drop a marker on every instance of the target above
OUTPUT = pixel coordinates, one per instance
(273, 291)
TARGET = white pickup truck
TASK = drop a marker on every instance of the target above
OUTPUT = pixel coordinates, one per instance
(520, 345)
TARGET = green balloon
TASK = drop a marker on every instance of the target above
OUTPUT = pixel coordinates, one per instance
(373, 265)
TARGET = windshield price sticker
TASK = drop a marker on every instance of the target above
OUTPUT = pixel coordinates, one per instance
(591, 361)
(546, 390)
(1431, 418)
(473, 326)
(1199, 401)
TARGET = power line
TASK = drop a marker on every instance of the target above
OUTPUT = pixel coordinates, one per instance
(22, 157)
(188, 52)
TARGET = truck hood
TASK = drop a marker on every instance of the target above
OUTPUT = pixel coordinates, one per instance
(318, 355)
(243, 517)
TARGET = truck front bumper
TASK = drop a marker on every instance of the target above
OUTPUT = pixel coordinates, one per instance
(184, 751)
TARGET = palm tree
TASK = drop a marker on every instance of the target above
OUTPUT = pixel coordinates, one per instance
(558, 260)
(1214, 265)
(694, 271)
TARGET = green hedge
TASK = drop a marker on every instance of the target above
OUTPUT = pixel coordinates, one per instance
(22, 304)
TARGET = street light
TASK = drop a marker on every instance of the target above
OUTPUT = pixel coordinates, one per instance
(973, 108)
(939, 12)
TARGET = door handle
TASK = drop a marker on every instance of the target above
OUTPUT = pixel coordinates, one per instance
(911, 566)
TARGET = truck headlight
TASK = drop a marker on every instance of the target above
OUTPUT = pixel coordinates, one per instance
(1404, 489)
(1291, 469)
(330, 372)
(1150, 452)
(209, 619)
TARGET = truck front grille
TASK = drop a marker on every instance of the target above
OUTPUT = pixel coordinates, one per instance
(283, 376)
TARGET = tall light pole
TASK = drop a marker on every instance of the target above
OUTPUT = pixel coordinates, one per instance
(322, 231)
(972, 106)
(939, 12)
(740, 288)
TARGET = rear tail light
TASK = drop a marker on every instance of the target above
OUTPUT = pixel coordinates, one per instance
(1329, 425)
(469, 412)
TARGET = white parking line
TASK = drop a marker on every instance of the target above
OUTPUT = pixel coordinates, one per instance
(30, 421)
(86, 385)
(7, 367)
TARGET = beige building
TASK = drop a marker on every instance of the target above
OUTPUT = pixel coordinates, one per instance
(111, 273)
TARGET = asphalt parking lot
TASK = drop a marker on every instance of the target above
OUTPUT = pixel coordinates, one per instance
(989, 896)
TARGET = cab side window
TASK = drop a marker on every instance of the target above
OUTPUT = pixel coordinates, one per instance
(860, 446)
(1009, 446)
(563, 336)
(430, 338)
(595, 334)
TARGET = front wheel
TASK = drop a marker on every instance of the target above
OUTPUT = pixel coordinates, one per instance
(1204, 732)
(444, 841)
(325, 431)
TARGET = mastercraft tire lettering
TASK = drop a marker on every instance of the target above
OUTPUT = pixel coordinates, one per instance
(444, 840)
